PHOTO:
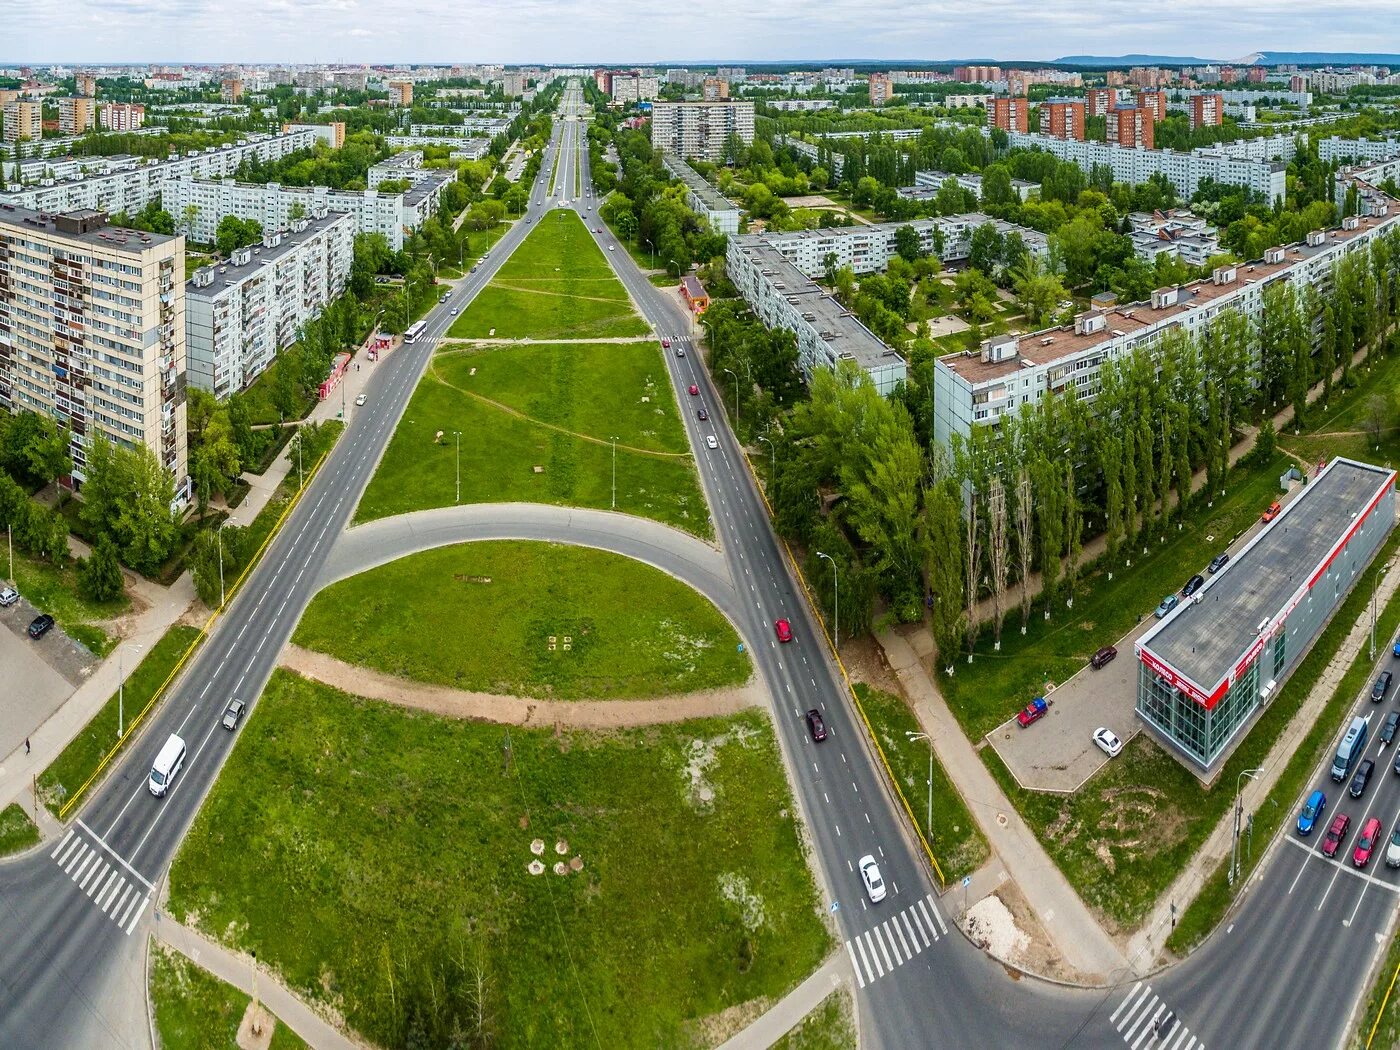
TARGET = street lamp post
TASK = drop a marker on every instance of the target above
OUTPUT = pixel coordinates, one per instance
(220, 537)
(121, 689)
(614, 472)
(928, 820)
(1239, 811)
(773, 449)
(458, 497)
(836, 585)
(651, 248)
(736, 401)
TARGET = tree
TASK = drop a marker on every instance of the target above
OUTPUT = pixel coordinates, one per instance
(906, 244)
(883, 504)
(1049, 497)
(234, 233)
(1377, 414)
(1038, 292)
(985, 248)
(100, 574)
(47, 451)
(1025, 541)
(943, 546)
(829, 268)
(972, 566)
(997, 549)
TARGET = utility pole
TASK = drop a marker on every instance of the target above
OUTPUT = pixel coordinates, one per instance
(220, 538)
(121, 690)
(458, 497)
(1239, 811)
(836, 584)
(928, 820)
(736, 401)
(614, 472)
(773, 449)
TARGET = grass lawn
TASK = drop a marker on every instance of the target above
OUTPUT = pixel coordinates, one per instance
(55, 591)
(829, 1027)
(1375, 1028)
(510, 599)
(1339, 429)
(80, 758)
(258, 398)
(17, 831)
(500, 451)
(953, 836)
(197, 1011)
(378, 859)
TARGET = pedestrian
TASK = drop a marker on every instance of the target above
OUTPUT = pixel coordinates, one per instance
(26, 745)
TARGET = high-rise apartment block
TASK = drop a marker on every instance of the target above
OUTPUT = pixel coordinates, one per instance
(513, 85)
(634, 87)
(700, 129)
(231, 90)
(1098, 101)
(977, 74)
(1131, 126)
(92, 331)
(1154, 101)
(714, 89)
(240, 313)
(332, 134)
(1062, 118)
(1009, 113)
(881, 89)
(1149, 76)
(24, 121)
(401, 92)
(85, 85)
(76, 116)
(1207, 110)
(121, 116)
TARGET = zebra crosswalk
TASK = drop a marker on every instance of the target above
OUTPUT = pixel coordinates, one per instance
(895, 941)
(1144, 1022)
(109, 882)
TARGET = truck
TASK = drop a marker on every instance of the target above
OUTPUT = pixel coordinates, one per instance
(1032, 712)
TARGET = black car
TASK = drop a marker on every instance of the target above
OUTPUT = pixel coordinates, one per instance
(701, 414)
(41, 625)
(816, 725)
(1103, 657)
(1381, 687)
(1218, 562)
(1194, 584)
(1362, 778)
(1392, 722)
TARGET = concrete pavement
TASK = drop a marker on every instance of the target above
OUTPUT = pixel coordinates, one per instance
(789, 1011)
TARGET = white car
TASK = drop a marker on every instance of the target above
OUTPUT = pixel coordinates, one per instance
(1392, 851)
(870, 875)
(1108, 741)
(612, 247)
(360, 399)
(8, 597)
(711, 441)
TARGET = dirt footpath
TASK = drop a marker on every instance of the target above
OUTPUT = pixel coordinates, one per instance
(515, 710)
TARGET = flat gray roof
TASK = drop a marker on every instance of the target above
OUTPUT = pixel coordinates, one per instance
(1210, 633)
(227, 274)
(104, 236)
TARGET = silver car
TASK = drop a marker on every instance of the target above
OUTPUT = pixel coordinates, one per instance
(232, 714)
(8, 597)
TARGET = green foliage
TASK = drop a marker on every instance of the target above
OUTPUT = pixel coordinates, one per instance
(100, 574)
(128, 497)
(234, 233)
(194, 1010)
(17, 831)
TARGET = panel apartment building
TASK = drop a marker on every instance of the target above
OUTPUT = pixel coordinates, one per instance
(239, 314)
(713, 207)
(23, 120)
(92, 331)
(978, 388)
(700, 129)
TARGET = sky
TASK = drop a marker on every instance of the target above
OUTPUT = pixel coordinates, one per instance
(567, 32)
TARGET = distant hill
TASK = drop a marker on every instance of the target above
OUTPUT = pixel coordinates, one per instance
(1132, 60)
(1324, 58)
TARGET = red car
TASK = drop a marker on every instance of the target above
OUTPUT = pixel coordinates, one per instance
(694, 390)
(1032, 712)
(666, 343)
(783, 629)
(816, 726)
(1366, 844)
(1338, 831)
(1271, 513)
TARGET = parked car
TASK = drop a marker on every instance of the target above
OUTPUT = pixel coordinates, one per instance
(40, 625)
(1392, 851)
(1103, 657)
(1194, 584)
(1313, 808)
(232, 714)
(1032, 712)
(1381, 687)
(8, 597)
(1272, 513)
(816, 725)
(1169, 603)
(1218, 562)
(1366, 844)
(701, 414)
(870, 875)
(359, 399)
(694, 390)
(1108, 741)
(1335, 834)
(1362, 778)
(711, 442)
(1392, 722)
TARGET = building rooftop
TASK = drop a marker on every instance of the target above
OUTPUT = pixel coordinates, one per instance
(697, 184)
(1053, 345)
(428, 180)
(226, 275)
(1210, 634)
(84, 225)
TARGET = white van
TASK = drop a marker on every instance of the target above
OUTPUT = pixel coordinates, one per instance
(167, 764)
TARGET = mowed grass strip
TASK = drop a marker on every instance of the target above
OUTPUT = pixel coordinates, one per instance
(528, 619)
(194, 1010)
(378, 858)
(507, 458)
(598, 390)
(17, 831)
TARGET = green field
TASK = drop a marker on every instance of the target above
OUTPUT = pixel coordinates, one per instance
(55, 591)
(378, 859)
(17, 831)
(481, 616)
(574, 399)
(829, 1027)
(195, 1010)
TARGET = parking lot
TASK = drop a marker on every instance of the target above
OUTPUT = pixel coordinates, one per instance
(34, 689)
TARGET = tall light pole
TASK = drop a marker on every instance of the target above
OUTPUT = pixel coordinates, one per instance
(220, 537)
(652, 249)
(1375, 577)
(1239, 810)
(614, 472)
(121, 689)
(836, 585)
(773, 449)
(736, 401)
(458, 497)
(928, 821)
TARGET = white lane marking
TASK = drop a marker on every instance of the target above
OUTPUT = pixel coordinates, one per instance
(122, 902)
(65, 840)
(936, 913)
(904, 916)
(894, 948)
(1146, 997)
(68, 845)
(100, 866)
(1147, 1028)
(919, 925)
(879, 970)
(879, 940)
(81, 868)
(1113, 1017)
(75, 856)
(860, 981)
(109, 893)
(137, 917)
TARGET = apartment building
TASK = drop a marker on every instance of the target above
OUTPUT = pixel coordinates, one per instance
(24, 121)
(881, 89)
(231, 89)
(977, 74)
(92, 331)
(121, 116)
(1099, 101)
(401, 93)
(1207, 109)
(130, 189)
(1062, 118)
(1149, 76)
(700, 129)
(513, 85)
(1154, 101)
(470, 125)
(704, 200)
(979, 388)
(928, 183)
(76, 115)
(1131, 127)
(1354, 150)
(634, 87)
(462, 148)
(1010, 113)
(714, 89)
(800, 105)
(1178, 232)
(407, 165)
(85, 84)
(8, 95)
(239, 314)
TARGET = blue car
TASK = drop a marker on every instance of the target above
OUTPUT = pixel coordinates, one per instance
(1396, 650)
(1313, 809)
(1169, 603)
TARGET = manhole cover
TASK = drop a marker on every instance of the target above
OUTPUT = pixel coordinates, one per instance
(1001, 820)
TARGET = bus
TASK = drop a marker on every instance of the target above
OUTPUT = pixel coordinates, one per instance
(414, 331)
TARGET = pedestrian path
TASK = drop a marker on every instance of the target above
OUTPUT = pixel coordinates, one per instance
(109, 882)
(891, 944)
(1146, 1023)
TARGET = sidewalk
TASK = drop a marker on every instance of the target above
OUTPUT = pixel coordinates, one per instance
(236, 970)
(1066, 920)
(1149, 941)
(788, 1012)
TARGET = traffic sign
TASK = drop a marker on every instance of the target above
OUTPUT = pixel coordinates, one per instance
(835, 907)
(967, 881)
